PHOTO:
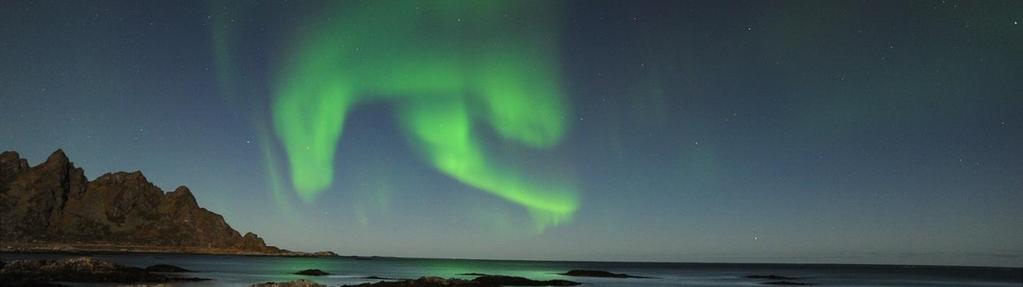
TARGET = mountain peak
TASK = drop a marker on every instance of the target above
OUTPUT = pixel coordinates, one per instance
(182, 194)
(57, 165)
(57, 155)
(122, 176)
(13, 159)
(183, 190)
(11, 164)
(9, 154)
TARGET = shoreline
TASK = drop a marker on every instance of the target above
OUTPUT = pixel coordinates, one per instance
(80, 249)
(374, 257)
(28, 271)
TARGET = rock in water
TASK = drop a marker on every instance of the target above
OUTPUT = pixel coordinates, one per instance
(295, 283)
(312, 272)
(482, 281)
(598, 273)
(786, 283)
(771, 277)
(166, 268)
(52, 206)
(498, 280)
(325, 254)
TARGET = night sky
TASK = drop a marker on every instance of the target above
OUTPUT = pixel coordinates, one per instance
(718, 131)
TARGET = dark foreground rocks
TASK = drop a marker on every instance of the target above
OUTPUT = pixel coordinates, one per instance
(771, 277)
(598, 273)
(324, 254)
(498, 280)
(79, 269)
(778, 280)
(312, 272)
(482, 281)
(294, 283)
(166, 268)
(786, 283)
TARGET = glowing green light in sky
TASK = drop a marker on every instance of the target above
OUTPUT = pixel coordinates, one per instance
(446, 66)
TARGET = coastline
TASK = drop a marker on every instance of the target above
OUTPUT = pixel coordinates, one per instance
(244, 271)
(80, 249)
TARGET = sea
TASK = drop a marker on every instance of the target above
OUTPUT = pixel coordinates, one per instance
(247, 270)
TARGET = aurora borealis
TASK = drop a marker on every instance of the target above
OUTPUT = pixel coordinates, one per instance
(706, 131)
(446, 65)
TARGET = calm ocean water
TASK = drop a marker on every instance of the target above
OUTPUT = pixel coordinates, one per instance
(245, 270)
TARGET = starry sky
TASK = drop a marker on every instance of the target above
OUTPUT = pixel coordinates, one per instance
(689, 131)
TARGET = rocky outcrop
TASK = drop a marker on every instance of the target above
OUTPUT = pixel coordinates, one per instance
(10, 165)
(770, 277)
(52, 206)
(598, 273)
(166, 268)
(778, 280)
(78, 269)
(293, 283)
(312, 272)
(482, 281)
(786, 283)
(499, 280)
(324, 254)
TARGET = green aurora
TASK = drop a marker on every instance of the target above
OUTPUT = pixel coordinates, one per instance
(445, 67)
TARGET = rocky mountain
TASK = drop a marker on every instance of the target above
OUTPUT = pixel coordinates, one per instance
(52, 206)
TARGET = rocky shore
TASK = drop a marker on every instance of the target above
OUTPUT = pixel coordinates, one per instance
(93, 270)
(598, 273)
(82, 270)
(481, 281)
(777, 280)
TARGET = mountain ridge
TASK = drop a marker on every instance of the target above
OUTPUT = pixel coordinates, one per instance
(53, 207)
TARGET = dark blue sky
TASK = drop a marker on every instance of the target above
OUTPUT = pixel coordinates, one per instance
(719, 131)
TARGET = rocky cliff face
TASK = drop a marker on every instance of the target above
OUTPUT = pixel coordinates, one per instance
(53, 206)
